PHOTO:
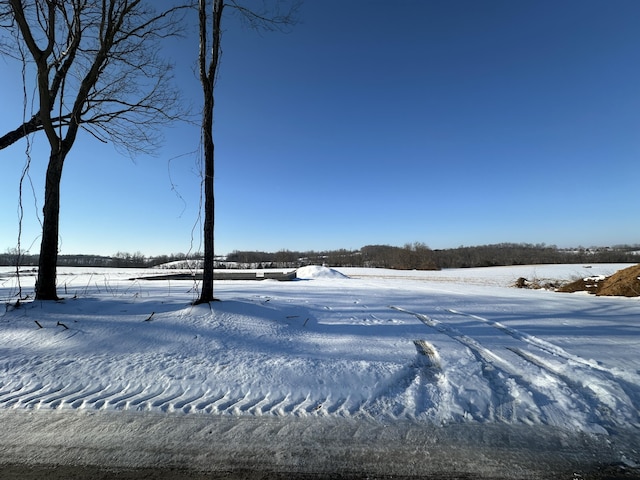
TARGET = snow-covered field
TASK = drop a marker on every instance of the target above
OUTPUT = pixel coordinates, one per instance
(456, 356)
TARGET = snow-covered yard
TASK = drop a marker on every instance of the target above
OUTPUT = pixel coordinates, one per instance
(400, 365)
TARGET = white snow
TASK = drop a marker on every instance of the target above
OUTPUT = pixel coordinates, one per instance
(441, 348)
(316, 271)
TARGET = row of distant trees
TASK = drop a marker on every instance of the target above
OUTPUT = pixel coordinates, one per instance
(118, 260)
(411, 256)
(420, 257)
(416, 256)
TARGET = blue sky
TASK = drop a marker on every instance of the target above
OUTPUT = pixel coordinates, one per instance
(452, 122)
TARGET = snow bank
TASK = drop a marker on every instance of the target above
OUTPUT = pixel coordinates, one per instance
(316, 271)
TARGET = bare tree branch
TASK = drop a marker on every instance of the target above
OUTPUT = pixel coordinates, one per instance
(100, 47)
(277, 15)
(97, 67)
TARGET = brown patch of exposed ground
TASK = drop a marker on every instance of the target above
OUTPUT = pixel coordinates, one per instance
(624, 283)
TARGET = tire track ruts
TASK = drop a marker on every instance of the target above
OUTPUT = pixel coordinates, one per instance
(14, 397)
(540, 343)
(628, 382)
(117, 402)
(604, 411)
(164, 402)
(151, 394)
(186, 401)
(100, 399)
(54, 401)
(496, 370)
(79, 400)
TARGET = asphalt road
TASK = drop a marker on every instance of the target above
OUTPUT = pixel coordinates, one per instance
(132, 445)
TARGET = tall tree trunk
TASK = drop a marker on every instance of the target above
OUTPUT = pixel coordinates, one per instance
(47, 263)
(207, 78)
(209, 205)
(208, 69)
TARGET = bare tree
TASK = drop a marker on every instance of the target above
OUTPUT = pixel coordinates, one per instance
(279, 16)
(207, 78)
(97, 67)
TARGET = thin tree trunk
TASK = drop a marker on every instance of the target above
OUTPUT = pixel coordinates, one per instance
(207, 78)
(209, 205)
(47, 263)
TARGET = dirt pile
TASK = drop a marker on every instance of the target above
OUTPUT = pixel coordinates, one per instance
(624, 283)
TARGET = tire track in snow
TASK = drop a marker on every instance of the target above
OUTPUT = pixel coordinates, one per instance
(100, 399)
(140, 401)
(120, 400)
(14, 396)
(206, 405)
(497, 371)
(601, 396)
(299, 407)
(175, 398)
(185, 403)
(257, 406)
(430, 374)
(79, 400)
(54, 401)
(604, 402)
(8, 390)
(247, 404)
(388, 391)
(271, 405)
(169, 395)
(33, 400)
(627, 382)
(541, 344)
(421, 381)
(337, 406)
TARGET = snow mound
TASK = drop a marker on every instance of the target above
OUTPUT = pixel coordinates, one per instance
(316, 271)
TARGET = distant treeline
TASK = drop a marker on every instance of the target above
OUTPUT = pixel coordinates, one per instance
(416, 256)
(420, 257)
(119, 260)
